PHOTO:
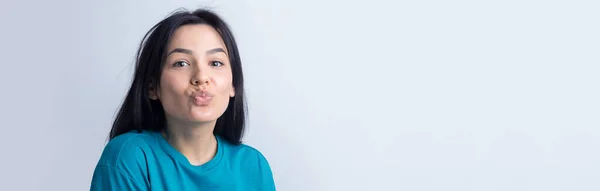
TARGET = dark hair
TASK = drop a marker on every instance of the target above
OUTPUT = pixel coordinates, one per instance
(139, 112)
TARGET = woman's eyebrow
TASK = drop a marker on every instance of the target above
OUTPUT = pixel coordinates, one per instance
(216, 50)
(181, 50)
(190, 52)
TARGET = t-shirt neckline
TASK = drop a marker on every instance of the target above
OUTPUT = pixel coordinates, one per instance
(181, 159)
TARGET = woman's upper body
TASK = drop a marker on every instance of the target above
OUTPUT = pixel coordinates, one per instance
(181, 123)
(146, 161)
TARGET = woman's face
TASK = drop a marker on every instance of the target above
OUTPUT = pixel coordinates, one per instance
(196, 80)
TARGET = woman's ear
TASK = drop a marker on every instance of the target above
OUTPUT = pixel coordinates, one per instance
(152, 91)
(232, 91)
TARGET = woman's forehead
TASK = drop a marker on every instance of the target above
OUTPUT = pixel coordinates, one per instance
(196, 37)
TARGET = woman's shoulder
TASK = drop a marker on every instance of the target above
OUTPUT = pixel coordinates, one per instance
(127, 147)
(253, 164)
(239, 149)
(122, 165)
(246, 154)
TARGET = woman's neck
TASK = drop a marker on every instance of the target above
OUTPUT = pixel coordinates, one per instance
(197, 143)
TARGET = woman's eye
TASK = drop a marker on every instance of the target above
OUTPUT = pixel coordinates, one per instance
(216, 63)
(180, 64)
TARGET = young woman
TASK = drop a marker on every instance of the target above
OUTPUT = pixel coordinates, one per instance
(181, 124)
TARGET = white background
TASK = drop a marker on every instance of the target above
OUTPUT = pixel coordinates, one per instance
(343, 95)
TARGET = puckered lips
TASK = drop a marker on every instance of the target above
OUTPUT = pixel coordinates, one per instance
(202, 98)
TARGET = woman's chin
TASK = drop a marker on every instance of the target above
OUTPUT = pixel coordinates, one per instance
(203, 117)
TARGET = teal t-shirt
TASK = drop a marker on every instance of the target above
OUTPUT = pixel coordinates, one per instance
(146, 161)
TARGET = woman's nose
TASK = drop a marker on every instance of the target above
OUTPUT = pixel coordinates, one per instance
(201, 73)
(199, 81)
(201, 78)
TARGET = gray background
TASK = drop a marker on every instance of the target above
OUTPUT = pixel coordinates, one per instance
(343, 95)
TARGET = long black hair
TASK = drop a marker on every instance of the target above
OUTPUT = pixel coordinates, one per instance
(139, 112)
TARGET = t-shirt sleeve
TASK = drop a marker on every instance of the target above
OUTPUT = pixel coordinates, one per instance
(122, 165)
(266, 174)
(110, 178)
